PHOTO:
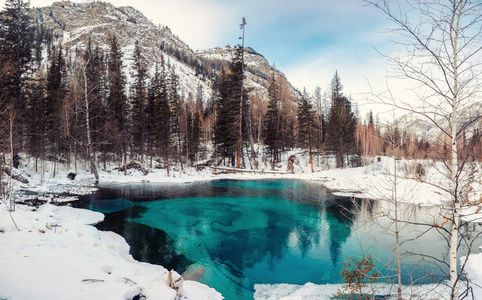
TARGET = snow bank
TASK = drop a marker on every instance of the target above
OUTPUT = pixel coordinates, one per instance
(474, 272)
(312, 291)
(58, 255)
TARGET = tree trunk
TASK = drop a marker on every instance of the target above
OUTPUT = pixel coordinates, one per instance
(397, 231)
(454, 161)
(87, 122)
(311, 161)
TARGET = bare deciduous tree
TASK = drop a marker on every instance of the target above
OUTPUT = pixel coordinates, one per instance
(443, 43)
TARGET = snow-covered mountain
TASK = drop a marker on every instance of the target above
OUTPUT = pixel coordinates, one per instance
(72, 24)
(421, 127)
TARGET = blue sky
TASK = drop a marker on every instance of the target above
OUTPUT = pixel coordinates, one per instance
(306, 39)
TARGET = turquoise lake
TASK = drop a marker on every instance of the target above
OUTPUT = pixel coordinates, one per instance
(242, 233)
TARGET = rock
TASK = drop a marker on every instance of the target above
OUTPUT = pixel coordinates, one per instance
(18, 177)
(195, 275)
(136, 166)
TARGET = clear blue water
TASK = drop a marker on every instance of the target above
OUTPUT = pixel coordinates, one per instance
(248, 232)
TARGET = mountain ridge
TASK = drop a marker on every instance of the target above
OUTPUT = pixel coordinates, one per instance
(72, 24)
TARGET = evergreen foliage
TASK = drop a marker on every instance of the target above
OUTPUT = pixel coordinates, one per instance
(176, 109)
(117, 98)
(150, 112)
(307, 127)
(94, 60)
(341, 126)
(158, 119)
(196, 135)
(162, 113)
(272, 120)
(16, 44)
(306, 122)
(139, 100)
(55, 93)
(228, 92)
(16, 41)
(116, 101)
(36, 125)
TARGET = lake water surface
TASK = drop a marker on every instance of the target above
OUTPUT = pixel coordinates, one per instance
(241, 233)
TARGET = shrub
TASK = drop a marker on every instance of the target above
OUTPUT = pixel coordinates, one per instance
(356, 275)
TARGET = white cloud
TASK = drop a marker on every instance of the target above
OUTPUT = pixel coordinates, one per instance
(196, 22)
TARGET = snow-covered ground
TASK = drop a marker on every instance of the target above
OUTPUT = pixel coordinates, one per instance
(57, 253)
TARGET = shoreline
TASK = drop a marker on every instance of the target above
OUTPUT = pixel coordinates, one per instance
(41, 231)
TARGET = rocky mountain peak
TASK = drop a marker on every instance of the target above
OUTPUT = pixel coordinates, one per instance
(73, 24)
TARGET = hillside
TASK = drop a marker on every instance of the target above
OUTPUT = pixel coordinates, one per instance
(72, 24)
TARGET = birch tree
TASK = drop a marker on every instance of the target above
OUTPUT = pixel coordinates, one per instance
(90, 93)
(443, 57)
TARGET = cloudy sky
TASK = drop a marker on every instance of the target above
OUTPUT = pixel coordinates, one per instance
(306, 39)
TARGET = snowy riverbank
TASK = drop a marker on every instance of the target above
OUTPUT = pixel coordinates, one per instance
(58, 253)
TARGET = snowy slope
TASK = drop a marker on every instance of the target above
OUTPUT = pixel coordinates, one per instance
(72, 24)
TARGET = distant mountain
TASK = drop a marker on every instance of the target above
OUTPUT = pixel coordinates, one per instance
(72, 24)
(421, 127)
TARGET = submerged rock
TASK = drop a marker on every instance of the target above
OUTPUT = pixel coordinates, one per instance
(194, 275)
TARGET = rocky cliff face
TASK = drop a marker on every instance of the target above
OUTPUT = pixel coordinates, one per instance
(72, 24)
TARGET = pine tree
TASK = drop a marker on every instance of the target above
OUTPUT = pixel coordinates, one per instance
(226, 123)
(341, 127)
(117, 102)
(176, 109)
(55, 93)
(96, 84)
(16, 43)
(272, 120)
(163, 116)
(150, 111)
(196, 135)
(35, 114)
(230, 114)
(188, 137)
(139, 99)
(306, 125)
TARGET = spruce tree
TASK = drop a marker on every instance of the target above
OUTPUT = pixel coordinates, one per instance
(96, 87)
(139, 100)
(35, 114)
(150, 112)
(226, 123)
(117, 102)
(230, 115)
(272, 117)
(189, 135)
(306, 125)
(341, 126)
(196, 135)
(176, 109)
(163, 116)
(55, 93)
(16, 43)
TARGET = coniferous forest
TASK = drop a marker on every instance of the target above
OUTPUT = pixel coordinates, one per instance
(84, 104)
(81, 106)
(100, 92)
